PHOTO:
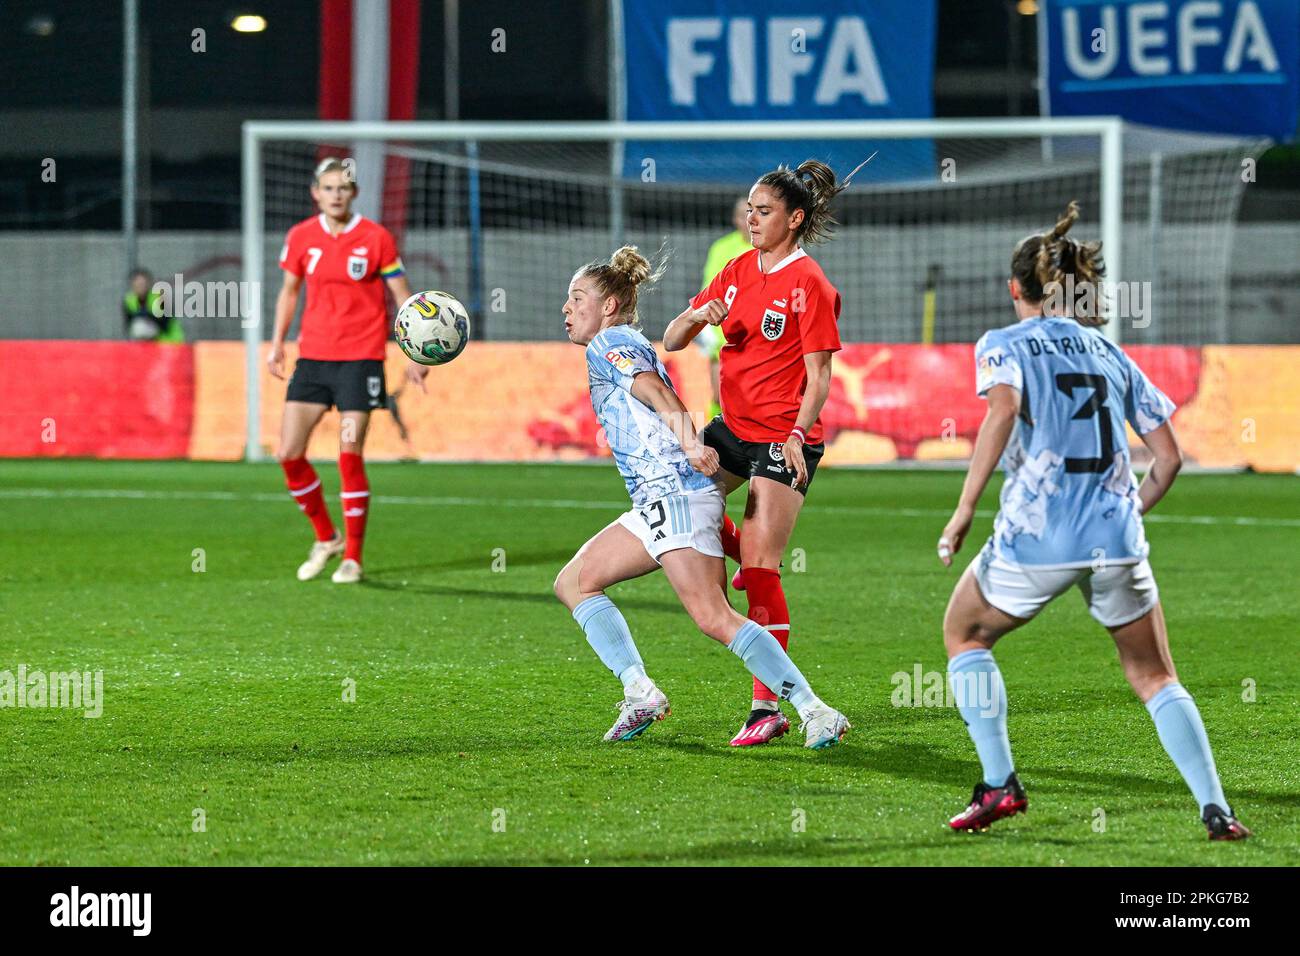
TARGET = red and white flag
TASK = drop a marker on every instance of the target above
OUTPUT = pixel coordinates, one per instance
(369, 65)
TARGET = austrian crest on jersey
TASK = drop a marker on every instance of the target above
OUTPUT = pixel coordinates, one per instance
(773, 324)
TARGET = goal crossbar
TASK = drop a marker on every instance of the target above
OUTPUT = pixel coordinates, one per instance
(1108, 130)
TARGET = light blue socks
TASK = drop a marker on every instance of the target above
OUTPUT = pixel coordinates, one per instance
(607, 633)
(609, 637)
(761, 653)
(1178, 723)
(981, 698)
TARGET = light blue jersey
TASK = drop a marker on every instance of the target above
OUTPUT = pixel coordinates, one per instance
(1070, 498)
(648, 454)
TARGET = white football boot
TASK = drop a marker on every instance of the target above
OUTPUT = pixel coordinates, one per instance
(824, 726)
(321, 552)
(635, 714)
(349, 572)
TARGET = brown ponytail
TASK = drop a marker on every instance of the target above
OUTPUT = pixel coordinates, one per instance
(810, 186)
(1054, 264)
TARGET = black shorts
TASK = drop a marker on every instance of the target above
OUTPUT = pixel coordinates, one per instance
(752, 459)
(351, 386)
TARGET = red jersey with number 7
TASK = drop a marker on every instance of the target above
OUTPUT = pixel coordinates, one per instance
(774, 319)
(346, 316)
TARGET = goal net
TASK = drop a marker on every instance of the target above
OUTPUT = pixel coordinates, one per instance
(502, 214)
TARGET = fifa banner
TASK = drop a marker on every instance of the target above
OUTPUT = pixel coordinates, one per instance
(1210, 66)
(696, 61)
(1238, 405)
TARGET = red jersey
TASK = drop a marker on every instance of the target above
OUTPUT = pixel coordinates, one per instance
(774, 319)
(345, 318)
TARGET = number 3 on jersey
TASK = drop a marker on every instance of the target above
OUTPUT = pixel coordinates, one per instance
(1067, 382)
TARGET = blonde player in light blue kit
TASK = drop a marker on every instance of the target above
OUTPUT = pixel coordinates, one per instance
(677, 510)
(1059, 394)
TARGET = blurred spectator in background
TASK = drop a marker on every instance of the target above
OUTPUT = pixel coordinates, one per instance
(710, 338)
(144, 311)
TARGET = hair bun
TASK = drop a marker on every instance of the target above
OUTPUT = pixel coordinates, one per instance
(809, 187)
(630, 263)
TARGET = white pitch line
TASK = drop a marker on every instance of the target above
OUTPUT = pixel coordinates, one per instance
(573, 503)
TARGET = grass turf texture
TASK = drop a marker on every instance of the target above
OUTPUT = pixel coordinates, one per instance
(476, 693)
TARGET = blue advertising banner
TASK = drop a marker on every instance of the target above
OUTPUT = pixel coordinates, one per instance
(1214, 66)
(738, 60)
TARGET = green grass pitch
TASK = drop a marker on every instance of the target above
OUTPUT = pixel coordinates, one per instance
(475, 735)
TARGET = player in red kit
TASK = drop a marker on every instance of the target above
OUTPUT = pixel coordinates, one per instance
(779, 315)
(345, 260)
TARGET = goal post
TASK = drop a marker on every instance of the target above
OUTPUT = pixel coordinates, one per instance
(919, 255)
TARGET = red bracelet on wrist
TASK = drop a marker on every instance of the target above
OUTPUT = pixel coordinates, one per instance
(797, 431)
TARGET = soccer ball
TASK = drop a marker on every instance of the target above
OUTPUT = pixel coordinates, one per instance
(432, 328)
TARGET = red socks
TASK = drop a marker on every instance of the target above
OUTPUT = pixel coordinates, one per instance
(730, 539)
(766, 598)
(356, 502)
(304, 485)
(767, 608)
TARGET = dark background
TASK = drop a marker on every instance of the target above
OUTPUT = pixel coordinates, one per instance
(63, 69)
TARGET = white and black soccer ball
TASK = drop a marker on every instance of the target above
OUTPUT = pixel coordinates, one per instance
(432, 327)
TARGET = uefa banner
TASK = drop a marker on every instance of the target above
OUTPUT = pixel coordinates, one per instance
(695, 61)
(1238, 406)
(1227, 66)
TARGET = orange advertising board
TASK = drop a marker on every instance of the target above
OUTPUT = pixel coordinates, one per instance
(1238, 406)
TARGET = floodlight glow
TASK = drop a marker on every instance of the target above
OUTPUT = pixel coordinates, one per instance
(248, 23)
(41, 25)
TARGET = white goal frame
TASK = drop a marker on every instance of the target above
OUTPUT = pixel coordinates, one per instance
(1108, 129)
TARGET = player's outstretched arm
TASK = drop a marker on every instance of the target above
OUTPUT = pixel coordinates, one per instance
(401, 290)
(995, 431)
(686, 326)
(649, 389)
(1166, 462)
(286, 303)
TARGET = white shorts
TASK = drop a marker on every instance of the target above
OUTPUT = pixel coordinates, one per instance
(691, 520)
(1116, 595)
